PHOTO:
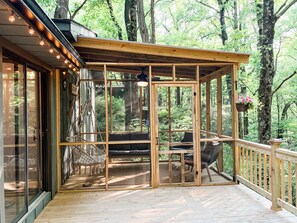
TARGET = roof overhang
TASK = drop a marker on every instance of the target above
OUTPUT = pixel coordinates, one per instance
(116, 53)
(29, 14)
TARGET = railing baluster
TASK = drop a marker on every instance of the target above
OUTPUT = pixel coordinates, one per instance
(270, 163)
(260, 170)
(247, 164)
(282, 179)
(251, 166)
(265, 171)
(296, 185)
(255, 180)
(290, 182)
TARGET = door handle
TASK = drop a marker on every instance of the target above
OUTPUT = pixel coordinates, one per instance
(34, 134)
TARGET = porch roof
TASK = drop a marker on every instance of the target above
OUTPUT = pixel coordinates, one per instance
(100, 50)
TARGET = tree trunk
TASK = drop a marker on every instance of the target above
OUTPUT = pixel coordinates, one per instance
(131, 103)
(130, 19)
(141, 21)
(267, 72)
(62, 9)
(223, 35)
(153, 24)
(113, 18)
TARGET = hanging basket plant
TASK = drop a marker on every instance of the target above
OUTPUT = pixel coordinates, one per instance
(244, 104)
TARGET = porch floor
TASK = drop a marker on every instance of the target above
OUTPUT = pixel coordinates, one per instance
(234, 203)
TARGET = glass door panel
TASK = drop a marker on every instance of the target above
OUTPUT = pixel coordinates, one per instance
(14, 138)
(33, 132)
(174, 111)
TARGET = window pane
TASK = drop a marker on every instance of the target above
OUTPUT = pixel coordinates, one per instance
(14, 138)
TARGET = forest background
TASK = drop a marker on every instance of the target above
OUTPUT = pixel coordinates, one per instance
(265, 28)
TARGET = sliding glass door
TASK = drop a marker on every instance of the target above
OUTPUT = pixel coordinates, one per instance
(21, 128)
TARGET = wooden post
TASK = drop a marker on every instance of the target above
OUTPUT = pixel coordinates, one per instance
(106, 125)
(208, 121)
(219, 121)
(274, 175)
(154, 152)
(235, 120)
(58, 121)
(197, 124)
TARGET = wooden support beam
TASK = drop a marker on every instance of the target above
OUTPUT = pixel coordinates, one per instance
(58, 121)
(197, 125)
(234, 119)
(216, 74)
(220, 120)
(208, 107)
(160, 50)
(106, 127)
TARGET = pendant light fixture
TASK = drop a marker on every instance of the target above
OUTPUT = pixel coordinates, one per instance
(142, 80)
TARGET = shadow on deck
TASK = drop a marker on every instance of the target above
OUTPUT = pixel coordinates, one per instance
(235, 203)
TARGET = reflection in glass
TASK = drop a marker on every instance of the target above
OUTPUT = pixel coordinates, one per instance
(14, 138)
(33, 135)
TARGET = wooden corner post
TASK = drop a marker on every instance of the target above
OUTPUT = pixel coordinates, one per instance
(235, 120)
(274, 174)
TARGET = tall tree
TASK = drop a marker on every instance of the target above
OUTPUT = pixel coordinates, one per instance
(268, 19)
(62, 9)
(141, 21)
(153, 23)
(131, 103)
(131, 19)
(113, 18)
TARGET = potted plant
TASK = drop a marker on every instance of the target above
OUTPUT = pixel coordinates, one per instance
(244, 103)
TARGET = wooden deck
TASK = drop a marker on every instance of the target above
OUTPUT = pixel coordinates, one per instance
(211, 204)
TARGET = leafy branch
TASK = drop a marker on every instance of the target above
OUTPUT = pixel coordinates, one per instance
(279, 86)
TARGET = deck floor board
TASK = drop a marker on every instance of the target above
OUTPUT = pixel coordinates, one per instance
(208, 204)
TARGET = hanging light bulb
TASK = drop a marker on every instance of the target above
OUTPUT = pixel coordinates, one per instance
(142, 80)
(51, 50)
(11, 18)
(74, 69)
(58, 56)
(66, 61)
(31, 31)
(41, 42)
(70, 65)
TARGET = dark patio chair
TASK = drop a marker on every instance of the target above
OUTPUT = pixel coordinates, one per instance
(188, 137)
(208, 157)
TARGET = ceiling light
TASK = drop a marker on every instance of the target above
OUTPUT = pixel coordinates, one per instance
(51, 50)
(58, 56)
(41, 43)
(31, 31)
(142, 80)
(11, 18)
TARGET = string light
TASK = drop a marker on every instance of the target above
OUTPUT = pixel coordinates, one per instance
(66, 61)
(58, 56)
(31, 31)
(74, 69)
(51, 50)
(11, 18)
(41, 42)
(70, 65)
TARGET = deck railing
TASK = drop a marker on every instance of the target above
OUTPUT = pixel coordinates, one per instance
(269, 170)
